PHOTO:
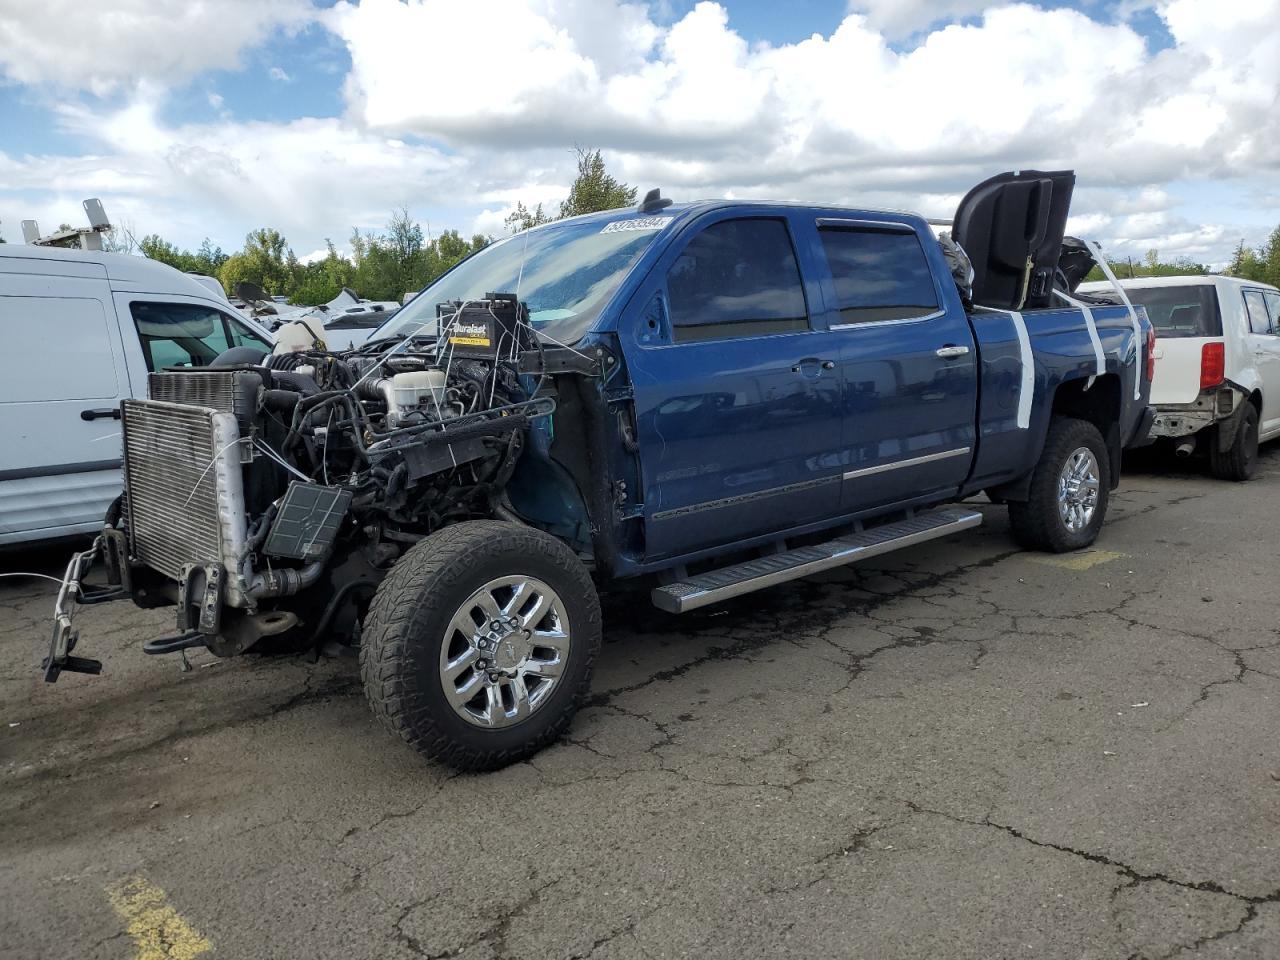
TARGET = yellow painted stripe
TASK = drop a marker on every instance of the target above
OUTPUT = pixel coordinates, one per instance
(157, 929)
(1076, 561)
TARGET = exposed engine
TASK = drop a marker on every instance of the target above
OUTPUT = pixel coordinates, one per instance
(314, 471)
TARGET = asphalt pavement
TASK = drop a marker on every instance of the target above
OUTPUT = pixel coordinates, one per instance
(962, 750)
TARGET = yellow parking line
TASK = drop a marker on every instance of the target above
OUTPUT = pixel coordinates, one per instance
(157, 929)
(1076, 561)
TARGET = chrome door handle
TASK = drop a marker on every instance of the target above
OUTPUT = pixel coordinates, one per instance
(949, 351)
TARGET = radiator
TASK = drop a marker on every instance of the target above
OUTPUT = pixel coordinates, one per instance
(183, 486)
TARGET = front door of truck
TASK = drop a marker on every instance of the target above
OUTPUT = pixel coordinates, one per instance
(737, 394)
(908, 361)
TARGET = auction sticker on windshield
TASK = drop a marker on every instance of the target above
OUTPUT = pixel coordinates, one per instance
(640, 223)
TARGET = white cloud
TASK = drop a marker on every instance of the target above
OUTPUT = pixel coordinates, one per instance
(73, 44)
(901, 18)
(277, 73)
(505, 88)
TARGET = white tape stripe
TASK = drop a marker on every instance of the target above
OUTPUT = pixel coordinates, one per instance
(1096, 249)
(1027, 382)
(1093, 331)
(1027, 388)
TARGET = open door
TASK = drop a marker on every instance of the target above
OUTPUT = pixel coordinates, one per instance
(1012, 227)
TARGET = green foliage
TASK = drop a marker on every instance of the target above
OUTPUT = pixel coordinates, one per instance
(1150, 266)
(1262, 264)
(592, 190)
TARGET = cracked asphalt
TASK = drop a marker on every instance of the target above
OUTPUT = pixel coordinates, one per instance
(962, 750)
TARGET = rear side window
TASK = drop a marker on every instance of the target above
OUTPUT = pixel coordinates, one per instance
(1256, 308)
(1180, 311)
(737, 278)
(879, 274)
(185, 334)
(1273, 307)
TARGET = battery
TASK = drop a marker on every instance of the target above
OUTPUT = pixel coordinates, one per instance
(495, 328)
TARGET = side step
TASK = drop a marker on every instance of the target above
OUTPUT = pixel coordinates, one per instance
(777, 568)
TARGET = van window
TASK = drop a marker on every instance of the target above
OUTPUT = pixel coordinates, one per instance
(1273, 307)
(185, 334)
(1256, 307)
(55, 348)
(878, 274)
(1180, 311)
(737, 278)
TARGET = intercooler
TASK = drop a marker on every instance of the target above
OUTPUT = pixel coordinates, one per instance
(183, 488)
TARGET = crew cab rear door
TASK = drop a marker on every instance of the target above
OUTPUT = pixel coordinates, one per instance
(908, 360)
(737, 392)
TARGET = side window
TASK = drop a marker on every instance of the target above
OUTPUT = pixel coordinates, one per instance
(1273, 307)
(737, 278)
(879, 274)
(179, 334)
(1257, 311)
(242, 336)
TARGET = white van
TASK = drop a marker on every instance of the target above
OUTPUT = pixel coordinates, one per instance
(1217, 379)
(79, 331)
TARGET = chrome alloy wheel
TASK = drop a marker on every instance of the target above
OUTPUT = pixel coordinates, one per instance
(1078, 486)
(504, 651)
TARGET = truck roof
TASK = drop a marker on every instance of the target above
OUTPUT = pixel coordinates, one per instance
(124, 271)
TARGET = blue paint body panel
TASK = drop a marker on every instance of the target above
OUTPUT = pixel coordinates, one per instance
(746, 440)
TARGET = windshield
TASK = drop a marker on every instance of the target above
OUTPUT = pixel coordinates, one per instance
(564, 272)
(1180, 311)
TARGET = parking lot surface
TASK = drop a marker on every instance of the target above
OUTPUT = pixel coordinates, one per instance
(961, 751)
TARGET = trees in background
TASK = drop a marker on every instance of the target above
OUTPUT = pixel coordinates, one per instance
(592, 190)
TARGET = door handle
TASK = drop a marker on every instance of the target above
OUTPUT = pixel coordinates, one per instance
(812, 362)
(111, 413)
(950, 351)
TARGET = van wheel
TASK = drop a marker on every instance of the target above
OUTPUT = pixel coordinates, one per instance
(1240, 460)
(479, 646)
(1070, 488)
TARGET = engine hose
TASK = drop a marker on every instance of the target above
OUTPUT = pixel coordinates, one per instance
(285, 582)
(280, 401)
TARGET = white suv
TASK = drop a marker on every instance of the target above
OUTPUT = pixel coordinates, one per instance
(1217, 380)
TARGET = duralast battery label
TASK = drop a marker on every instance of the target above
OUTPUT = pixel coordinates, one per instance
(469, 334)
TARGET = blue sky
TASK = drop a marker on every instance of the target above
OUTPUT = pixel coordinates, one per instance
(211, 120)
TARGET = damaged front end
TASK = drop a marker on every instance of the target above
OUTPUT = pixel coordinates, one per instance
(270, 500)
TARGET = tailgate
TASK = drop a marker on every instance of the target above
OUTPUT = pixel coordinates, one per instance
(1177, 378)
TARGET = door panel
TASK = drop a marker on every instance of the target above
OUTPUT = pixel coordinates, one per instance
(737, 399)
(61, 383)
(1264, 347)
(908, 363)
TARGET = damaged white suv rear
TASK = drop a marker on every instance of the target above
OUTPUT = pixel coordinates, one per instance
(1217, 383)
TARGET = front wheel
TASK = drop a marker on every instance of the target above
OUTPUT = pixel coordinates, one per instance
(1069, 491)
(479, 646)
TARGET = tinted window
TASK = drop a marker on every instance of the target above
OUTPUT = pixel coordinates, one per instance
(1273, 307)
(185, 334)
(737, 278)
(1180, 311)
(879, 275)
(1257, 310)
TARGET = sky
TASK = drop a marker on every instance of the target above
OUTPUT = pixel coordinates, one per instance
(198, 118)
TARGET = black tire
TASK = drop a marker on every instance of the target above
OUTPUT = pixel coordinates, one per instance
(1037, 523)
(1240, 462)
(408, 623)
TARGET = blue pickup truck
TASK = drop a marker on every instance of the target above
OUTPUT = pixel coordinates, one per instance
(699, 400)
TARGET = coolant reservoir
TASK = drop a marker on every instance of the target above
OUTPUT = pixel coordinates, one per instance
(304, 334)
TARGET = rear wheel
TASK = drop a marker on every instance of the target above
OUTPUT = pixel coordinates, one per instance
(479, 646)
(1240, 460)
(1070, 488)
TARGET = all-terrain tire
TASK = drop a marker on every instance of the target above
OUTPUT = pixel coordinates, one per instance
(1240, 462)
(409, 619)
(1038, 523)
